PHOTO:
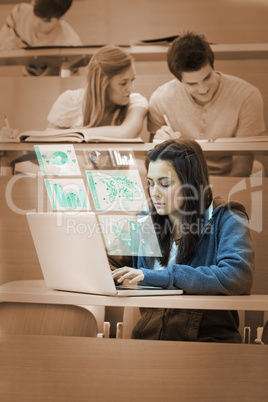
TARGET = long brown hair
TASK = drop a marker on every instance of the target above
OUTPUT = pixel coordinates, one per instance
(187, 159)
(106, 63)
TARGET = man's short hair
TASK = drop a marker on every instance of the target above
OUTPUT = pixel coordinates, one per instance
(189, 52)
(47, 9)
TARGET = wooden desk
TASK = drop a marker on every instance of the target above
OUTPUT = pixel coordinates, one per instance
(258, 149)
(80, 56)
(35, 291)
(63, 369)
(212, 148)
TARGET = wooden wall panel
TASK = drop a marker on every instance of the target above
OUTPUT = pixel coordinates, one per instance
(18, 256)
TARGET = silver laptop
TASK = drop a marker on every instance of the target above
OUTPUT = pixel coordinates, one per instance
(73, 257)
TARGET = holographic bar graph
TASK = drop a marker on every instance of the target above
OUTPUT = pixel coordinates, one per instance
(67, 194)
(122, 160)
(69, 198)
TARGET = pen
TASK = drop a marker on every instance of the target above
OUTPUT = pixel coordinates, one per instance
(167, 121)
(7, 125)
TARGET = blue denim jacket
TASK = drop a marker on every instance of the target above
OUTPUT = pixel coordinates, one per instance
(222, 265)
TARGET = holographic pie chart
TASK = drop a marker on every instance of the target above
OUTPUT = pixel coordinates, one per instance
(59, 158)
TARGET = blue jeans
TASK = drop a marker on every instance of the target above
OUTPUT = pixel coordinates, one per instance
(187, 325)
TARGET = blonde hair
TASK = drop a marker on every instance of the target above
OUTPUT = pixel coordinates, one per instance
(106, 63)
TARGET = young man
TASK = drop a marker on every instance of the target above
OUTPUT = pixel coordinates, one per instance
(36, 25)
(201, 103)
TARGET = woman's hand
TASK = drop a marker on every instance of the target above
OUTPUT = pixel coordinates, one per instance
(133, 275)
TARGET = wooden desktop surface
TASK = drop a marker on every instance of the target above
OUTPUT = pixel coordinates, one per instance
(225, 147)
(47, 368)
(35, 291)
(258, 148)
(79, 56)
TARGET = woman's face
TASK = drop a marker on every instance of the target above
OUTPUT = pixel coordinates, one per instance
(121, 86)
(165, 188)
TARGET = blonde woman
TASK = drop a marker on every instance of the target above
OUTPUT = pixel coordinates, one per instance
(107, 105)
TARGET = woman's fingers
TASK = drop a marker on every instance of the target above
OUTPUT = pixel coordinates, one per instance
(121, 274)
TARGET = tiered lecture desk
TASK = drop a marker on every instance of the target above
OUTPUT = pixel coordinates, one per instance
(79, 56)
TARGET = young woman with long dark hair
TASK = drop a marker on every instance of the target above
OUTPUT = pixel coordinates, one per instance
(206, 247)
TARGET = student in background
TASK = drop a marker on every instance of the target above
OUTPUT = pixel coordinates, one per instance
(107, 105)
(206, 247)
(38, 24)
(201, 103)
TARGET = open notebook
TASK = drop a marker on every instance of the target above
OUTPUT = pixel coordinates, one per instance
(72, 255)
(80, 134)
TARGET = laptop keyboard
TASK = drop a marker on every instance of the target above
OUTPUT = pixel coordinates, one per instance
(135, 287)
